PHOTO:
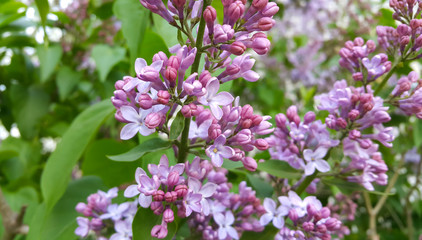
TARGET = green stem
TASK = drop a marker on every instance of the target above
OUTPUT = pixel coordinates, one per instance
(302, 187)
(184, 142)
(384, 81)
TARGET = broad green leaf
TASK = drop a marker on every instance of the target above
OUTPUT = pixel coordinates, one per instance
(112, 173)
(263, 189)
(134, 18)
(17, 41)
(349, 187)
(165, 30)
(151, 145)
(279, 169)
(218, 5)
(151, 44)
(268, 233)
(9, 18)
(7, 154)
(106, 57)
(145, 220)
(60, 222)
(59, 165)
(8, 7)
(177, 126)
(49, 58)
(230, 165)
(43, 9)
(417, 133)
(66, 81)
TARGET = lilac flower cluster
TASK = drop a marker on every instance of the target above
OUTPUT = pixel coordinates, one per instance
(407, 95)
(303, 144)
(353, 110)
(101, 216)
(230, 214)
(310, 220)
(354, 57)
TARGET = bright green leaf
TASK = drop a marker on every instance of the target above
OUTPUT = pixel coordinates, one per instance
(151, 145)
(279, 169)
(17, 41)
(43, 9)
(177, 126)
(49, 58)
(106, 57)
(151, 44)
(59, 165)
(66, 81)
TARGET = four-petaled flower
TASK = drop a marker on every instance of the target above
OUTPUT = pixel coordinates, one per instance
(137, 123)
(225, 225)
(214, 100)
(218, 151)
(315, 160)
(273, 214)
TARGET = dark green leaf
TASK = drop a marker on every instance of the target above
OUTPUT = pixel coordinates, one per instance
(151, 44)
(145, 220)
(59, 165)
(106, 57)
(268, 233)
(43, 9)
(151, 145)
(263, 189)
(66, 81)
(177, 126)
(49, 58)
(17, 41)
(279, 169)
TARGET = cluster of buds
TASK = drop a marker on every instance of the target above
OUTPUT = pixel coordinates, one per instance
(230, 136)
(310, 219)
(405, 10)
(100, 214)
(303, 144)
(407, 95)
(231, 214)
(354, 57)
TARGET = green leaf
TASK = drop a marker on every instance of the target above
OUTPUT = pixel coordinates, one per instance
(145, 220)
(66, 81)
(43, 9)
(263, 189)
(134, 18)
(417, 133)
(165, 30)
(49, 58)
(59, 165)
(279, 169)
(268, 233)
(106, 57)
(151, 44)
(177, 126)
(230, 165)
(151, 145)
(96, 156)
(17, 41)
(349, 187)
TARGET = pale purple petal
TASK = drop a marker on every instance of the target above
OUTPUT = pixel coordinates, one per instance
(220, 140)
(222, 234)
(229, 218)
(309, 168)
(226, 152)
(131, 191)
(194, 184)
(219, 218)
(308, 154)
(217, 160)
(278, 222)
(140, 63)
(250, 76)
(269, 205)
(130, 114)
(131, 84)
(216, 111)
(322, 165)
(212, 88)
(232, 232)
(266, 218)
(222, 99)
(145, 201)
(129, 131)
(208, 189)
(157, 65)
(145, 131)
(320, 152)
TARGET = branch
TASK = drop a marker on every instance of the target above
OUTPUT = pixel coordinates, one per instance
(12, 222)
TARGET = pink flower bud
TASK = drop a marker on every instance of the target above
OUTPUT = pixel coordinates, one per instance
(293, 215)
(178, 3)
(404, 40)
(259, 4)
(370, 45)
(233, 115)
(96, 224)
(341, 123)
(321, 228)
(325, 212)
(119, 85)
(248, 210)
(358, 41)
(308, 226)
(163, 97)
(237, 48)
(149, 74)
(247, 112)
(159, 231)
(246, 123)
(291, 113)
(414, 24)
(235, 11)
(214, 131)
(250, 164)
(204, 77)
(266, 23)
(261, 45)
(153, 120)
(312, 210)
(243, 137)
(238, 155)
(173, 62)
(119, 117)
(171, 74)
(232, 69)
(186, 111)
(326, 236)
(404, 30)
(332, 224)
(358, 76)
(256, 120)
(368, 106)
(354, 134)
(270, 9)
(170, 196)
(145, 101)
(210, 15)
(160, 56)
(157, 207)
(309, 117)
(280, 120)
(168, 215)
(173, 179)
(158, 195)
(181, 190)
(261, 144)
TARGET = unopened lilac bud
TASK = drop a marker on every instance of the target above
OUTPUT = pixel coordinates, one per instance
(158, 195)
(332, 224)
(159, 231)
(414, 24)
(246, 123)
(280, 120)
(325, 212)
(293, 215)
(186, 111)
(321, 228)
(312, 210)
(160, 56)
(365, 143)
(168, 215)
(233, 115)
(261, 144)
(178, 3)
(226, 3)
(404, 40)
(250, 164)
(80, 207)
(238, 155)
(235, 11)
(418, 41)
(358, 41)
(210, 14)
(157, 207)
(309, 117)
(370, 45)
(291, 113)
(261, 45)
(259, 4)
(173, 62)
(293, 148)
(256, 120)
(358, 76)
(145, 101)
(96, 224)
(163, 97)
(119, 85)
(171, 74)
(265, 23)
(153, 120)
(243, 137)
(308, 226)
(248, 210)
(181, 190)
(368, 106)
(341, 123)
(270, 9)
(119, 117)
(247, 112)
(214, 131)
(237, 48)
(170, 196)
(204, 77)
(404, 30)
(173, 178)
(246, 226)
(326, 236)
(354, 134)
(353, 114)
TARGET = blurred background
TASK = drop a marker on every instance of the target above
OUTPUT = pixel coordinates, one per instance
(59, 57)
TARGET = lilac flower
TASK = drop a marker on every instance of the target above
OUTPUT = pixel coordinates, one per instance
(224, 223)
(83, 226)
(137, 123)
(115, 211)
(206, 190)
(200, 131)
(218, 151)
(412, 156)
(315, 160)
(132, 190)
(194, 169)
(214, 100)
(293, 201)
(376, 67)
(123, 231)
(240, 68)
(192, 202)
(162, 170)
(273, 214)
